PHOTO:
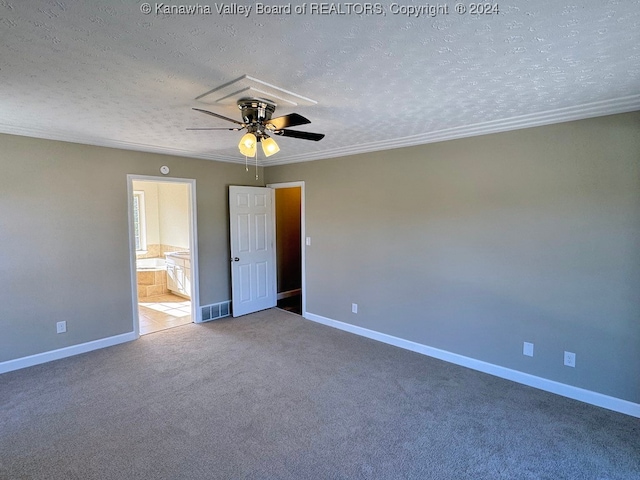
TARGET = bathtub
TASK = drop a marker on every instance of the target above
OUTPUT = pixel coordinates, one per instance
(150, 264)
(152, 277)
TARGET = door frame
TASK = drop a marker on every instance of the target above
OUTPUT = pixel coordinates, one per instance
(193, 244)
(303, 235)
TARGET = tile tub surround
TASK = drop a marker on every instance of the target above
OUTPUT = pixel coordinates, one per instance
(154, 282)
(151, 282)
(152, 251)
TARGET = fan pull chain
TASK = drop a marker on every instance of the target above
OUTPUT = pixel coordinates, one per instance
(246, 163)
(256, 164)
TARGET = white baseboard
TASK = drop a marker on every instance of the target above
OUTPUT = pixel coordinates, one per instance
(576, 393)
(44, 357)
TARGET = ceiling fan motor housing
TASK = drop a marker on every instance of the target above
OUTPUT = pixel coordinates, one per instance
(256, 110)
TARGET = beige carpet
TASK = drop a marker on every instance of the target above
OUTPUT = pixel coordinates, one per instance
(273, 396)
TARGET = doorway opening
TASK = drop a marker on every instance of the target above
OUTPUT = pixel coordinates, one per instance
(289, 229)
(164, 259)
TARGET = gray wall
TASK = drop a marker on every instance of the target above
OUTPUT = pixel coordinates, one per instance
(65, 240)
(472, 246)
(476, 245)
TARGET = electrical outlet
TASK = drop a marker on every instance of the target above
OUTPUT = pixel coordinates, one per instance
(354, 308)
(61, 327)
(570, 359)
(308, 241)
(527, 349)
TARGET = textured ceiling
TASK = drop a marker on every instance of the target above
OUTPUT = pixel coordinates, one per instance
(104, 73)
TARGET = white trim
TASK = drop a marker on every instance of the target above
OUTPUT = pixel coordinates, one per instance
(196, 316)
(243, 83)
(132, 259)
(303, 246)
(51, 133)
(567, 114)
(560, 115)
(37, 359)
(575, 393)
(195, 271)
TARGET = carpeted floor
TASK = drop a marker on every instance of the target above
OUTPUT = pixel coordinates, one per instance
(273, 396)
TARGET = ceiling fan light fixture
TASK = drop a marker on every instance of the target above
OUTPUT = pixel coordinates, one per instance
(259, 124)
(269, 146)
(248, 145)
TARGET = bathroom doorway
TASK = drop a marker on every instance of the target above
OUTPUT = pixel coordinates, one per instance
(164, 270)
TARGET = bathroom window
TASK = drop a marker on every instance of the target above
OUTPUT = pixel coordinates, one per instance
(139, 227)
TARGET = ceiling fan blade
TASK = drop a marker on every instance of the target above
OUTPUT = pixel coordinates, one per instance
(219, 116)
(232, 129)
(298, 134)
(291, 120)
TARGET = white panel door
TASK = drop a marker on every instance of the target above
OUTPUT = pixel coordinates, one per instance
(253, 257)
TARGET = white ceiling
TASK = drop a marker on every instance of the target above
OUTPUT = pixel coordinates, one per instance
(103, 73)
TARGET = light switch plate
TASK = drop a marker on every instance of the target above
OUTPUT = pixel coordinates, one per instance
(527, 349)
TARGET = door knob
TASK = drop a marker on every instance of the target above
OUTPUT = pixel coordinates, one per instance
(236, 259)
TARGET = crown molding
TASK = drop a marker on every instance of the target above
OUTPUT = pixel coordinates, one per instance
(580, 112)
(567, 114)
(53, 134)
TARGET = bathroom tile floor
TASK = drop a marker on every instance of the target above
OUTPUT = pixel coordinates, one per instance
(163, 311)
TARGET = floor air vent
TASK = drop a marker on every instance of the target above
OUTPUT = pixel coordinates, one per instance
(215, 311)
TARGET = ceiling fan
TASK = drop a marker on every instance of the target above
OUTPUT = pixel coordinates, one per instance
(256, 119)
